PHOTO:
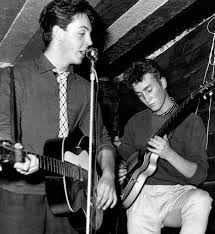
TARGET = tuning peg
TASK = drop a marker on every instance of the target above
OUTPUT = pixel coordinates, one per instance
(205, 97)
(211, 93)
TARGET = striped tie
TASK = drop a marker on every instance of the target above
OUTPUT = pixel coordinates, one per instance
(63, 118)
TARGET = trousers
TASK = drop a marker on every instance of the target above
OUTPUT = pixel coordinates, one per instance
(29, 213)
(157, 206)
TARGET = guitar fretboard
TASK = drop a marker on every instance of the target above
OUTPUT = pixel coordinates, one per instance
(178, 116)
(62, 168)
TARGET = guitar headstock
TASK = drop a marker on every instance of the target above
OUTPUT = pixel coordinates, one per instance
(9, 153)
(205, 89)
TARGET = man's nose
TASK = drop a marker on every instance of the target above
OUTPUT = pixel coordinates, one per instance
(146, 97)
(89, 41)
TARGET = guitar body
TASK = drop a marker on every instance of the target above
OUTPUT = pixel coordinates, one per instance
(65, 163)
(68, 194)
(138, 172)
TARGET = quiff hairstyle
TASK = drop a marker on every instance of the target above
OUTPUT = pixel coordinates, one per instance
(134, 74)
(61, 13)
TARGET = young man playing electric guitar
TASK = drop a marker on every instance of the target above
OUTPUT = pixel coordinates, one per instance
(66, 27)
(169, 196)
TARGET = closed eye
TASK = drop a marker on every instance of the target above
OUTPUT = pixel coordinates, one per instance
(139, 94)
(82, 34)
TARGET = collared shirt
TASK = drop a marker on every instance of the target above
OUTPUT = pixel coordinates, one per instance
(37, 100)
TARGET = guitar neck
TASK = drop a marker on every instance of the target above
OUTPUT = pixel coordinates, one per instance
(177, 117)
(61, 168)
(56, 166)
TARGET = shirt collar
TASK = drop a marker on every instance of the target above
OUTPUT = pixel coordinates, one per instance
(44, 65)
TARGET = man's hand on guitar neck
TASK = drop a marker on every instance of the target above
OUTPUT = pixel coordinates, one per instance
(117, 141)
(160, 146)
(122, 172)
(30, 165)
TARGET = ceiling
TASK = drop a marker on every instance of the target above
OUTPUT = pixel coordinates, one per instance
(134, 29)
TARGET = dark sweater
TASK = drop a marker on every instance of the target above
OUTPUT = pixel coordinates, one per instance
(188, 140)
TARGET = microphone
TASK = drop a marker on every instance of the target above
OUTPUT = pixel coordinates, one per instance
(92, 54)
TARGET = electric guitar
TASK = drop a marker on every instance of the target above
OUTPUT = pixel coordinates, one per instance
(142, 164)
(66, 166)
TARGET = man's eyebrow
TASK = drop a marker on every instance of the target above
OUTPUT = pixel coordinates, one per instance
(84, 27)
(146, 87)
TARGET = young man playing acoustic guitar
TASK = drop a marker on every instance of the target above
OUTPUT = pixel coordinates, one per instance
(66, 27)
(169, 197)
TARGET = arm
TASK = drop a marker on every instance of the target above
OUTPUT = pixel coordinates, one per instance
(5, 130)
(161, 147)
(31, 163)
(5, 134)
(190, 158)
(106, 193)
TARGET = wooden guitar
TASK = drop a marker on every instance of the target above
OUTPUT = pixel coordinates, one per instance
(66, 166)
(142, 164)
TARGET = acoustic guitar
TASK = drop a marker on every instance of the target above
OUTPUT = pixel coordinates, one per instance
(66, 166)
(142, 164)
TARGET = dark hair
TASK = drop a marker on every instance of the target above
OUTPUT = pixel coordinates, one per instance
(135, 72)
(61, 13)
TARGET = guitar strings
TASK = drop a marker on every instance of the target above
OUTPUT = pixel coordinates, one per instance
(210, 64)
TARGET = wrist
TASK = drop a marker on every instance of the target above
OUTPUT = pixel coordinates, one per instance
(171, 156)
(108, 174)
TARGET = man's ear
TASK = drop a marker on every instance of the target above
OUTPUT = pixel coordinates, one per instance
(57, 32)
(163, 82)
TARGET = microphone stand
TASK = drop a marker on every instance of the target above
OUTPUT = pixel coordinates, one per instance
(93, 76)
